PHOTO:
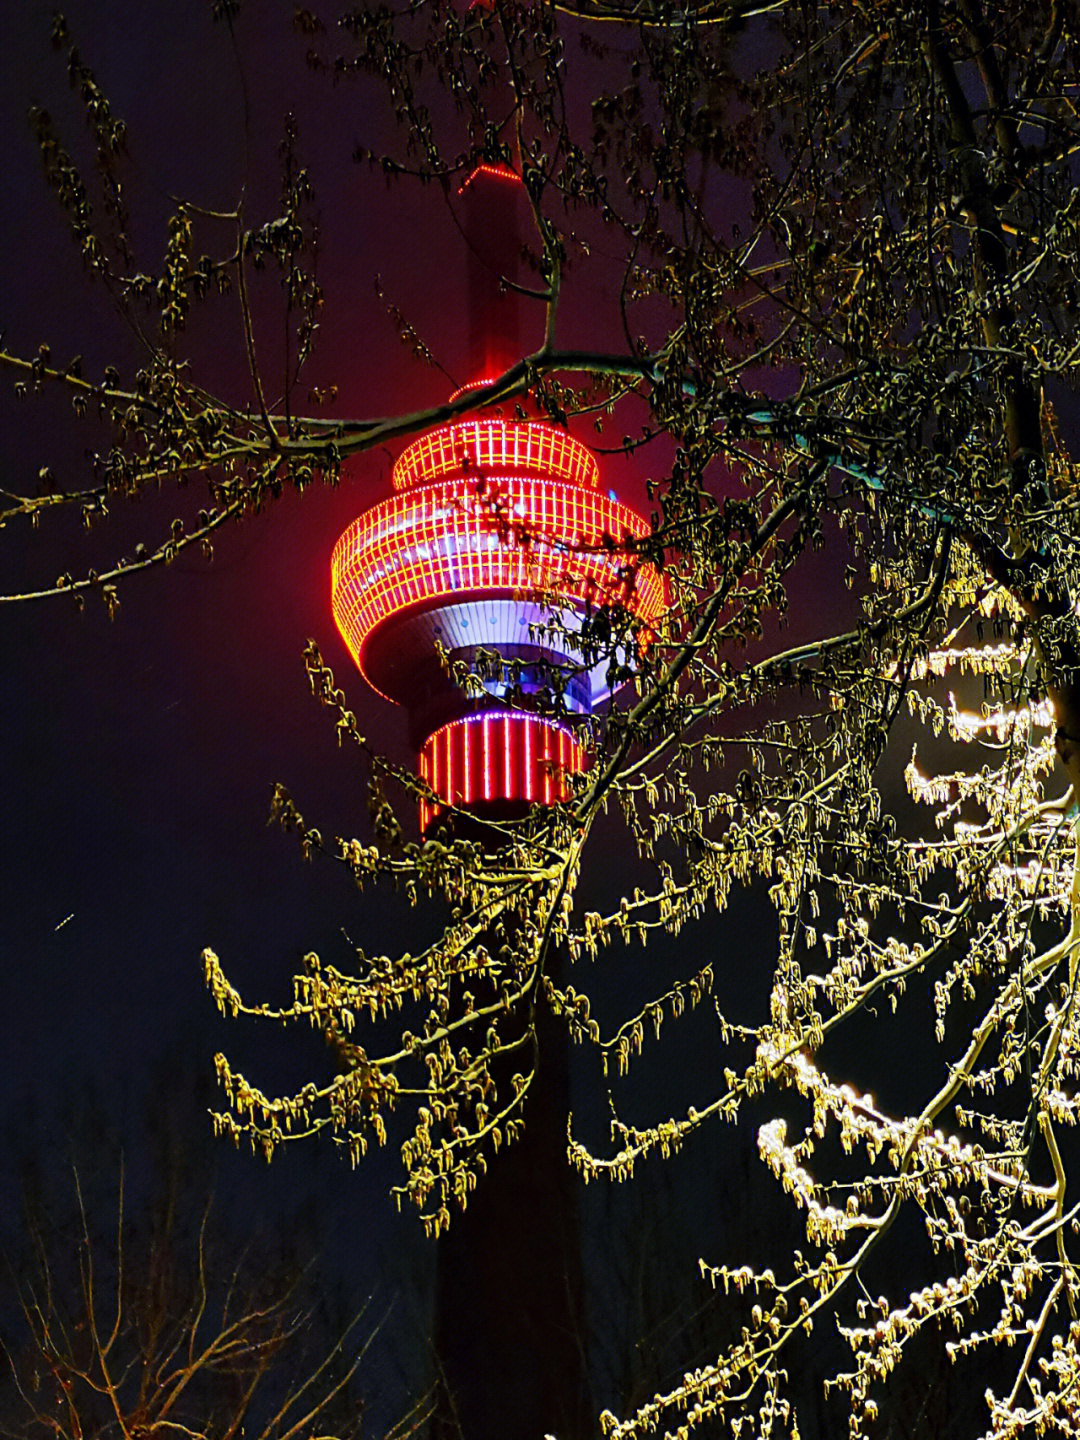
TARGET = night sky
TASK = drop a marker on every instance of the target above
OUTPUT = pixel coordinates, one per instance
(140, 754)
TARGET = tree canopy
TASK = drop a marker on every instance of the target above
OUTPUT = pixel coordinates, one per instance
(841, 242)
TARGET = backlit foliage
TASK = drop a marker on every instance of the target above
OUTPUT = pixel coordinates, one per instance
(846, 238)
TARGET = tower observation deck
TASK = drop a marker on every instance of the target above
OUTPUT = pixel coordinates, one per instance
(492, 564)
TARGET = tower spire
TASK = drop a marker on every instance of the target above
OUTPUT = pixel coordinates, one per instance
(492, 205)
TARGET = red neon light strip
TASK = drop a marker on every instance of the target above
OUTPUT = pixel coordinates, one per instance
(470, 387)
(494, 172)
(466, 768)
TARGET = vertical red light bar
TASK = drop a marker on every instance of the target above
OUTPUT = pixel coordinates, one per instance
(423, 803)
(528, 764)
(448, 769)
(436, 776)
(488, 758)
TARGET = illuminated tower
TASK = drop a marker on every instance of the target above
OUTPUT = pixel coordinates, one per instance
(493, 523)
(498, 550)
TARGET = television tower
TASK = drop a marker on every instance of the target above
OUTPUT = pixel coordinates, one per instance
(499, 557)
(499, 549)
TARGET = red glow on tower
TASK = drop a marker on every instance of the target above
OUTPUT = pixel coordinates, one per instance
(498, 561)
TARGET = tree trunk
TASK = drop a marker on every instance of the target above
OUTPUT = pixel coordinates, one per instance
(510, 1321)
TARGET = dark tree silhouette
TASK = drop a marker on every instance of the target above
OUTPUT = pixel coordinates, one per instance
(148, 1324)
